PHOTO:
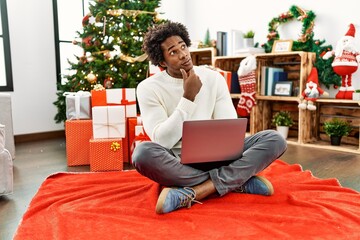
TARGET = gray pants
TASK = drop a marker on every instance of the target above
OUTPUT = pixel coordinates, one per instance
(162, 166)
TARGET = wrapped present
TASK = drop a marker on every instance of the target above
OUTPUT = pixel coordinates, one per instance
(131, 123)
(78, 133)
(139, 136)
(154, 69)
(106, 154)
(227, 75)
(78, 105)
(109, 122)
(116, 96)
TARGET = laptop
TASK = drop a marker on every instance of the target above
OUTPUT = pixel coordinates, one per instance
(212, 140)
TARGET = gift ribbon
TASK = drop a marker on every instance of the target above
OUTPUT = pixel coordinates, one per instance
(77, 95)
(124, 101)
(142, 137)
(108, 126)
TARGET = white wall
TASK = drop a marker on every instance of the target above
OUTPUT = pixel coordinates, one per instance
(33, 55)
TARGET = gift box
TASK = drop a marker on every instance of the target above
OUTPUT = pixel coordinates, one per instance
(227, 75)
(136, 134)
(78, 105)
(131, 123)
(106, 154)
(78, 133)
(116, 96)
(109, 122)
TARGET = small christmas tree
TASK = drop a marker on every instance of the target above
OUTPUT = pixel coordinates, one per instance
(111, 38)
(207, 40)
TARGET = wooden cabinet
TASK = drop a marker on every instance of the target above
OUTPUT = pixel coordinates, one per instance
(308, 125)
(203, 56)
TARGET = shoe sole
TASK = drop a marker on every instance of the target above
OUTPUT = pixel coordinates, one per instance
(161, 200)
(268, 184)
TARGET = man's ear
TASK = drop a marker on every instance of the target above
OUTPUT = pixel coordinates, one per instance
(162, 64)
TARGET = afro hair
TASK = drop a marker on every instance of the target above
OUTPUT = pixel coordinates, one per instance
(157, 34)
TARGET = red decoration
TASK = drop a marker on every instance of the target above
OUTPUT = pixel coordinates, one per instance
(85, 20)
(87, 41)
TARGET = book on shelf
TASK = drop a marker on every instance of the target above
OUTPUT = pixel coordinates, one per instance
(267, 80)
(221, 43)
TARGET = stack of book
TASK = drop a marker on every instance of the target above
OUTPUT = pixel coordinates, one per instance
(269, 77)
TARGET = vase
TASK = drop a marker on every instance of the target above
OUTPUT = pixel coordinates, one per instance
(335, 140)
(356, 96)
(248, 42)
(283, 130)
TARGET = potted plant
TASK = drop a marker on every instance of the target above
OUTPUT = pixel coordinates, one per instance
(249, 39)
(282, 120)
(335, 129)
(356, 95)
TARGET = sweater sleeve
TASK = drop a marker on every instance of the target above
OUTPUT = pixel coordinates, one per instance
(161, 128)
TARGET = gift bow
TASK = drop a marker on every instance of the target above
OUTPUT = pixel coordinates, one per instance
(77, 95)
(115, 146)
(140, 138)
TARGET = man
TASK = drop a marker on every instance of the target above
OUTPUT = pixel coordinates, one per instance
(184, 92)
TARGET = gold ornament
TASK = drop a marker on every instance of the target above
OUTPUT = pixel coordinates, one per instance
(91, 78)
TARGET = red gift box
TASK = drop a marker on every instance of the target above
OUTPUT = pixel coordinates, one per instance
(136, 134)
(106, 154)
(132, 122)
(116, 96)
(227, 76)
(78, 133)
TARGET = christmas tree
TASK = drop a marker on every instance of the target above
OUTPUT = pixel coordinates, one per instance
(111, 38)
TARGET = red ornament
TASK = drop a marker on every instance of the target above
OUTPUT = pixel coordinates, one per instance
(85, 20)
(336, 86)
(87, 41)
(108, 83)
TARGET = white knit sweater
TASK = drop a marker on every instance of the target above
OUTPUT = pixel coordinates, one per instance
(164, 109)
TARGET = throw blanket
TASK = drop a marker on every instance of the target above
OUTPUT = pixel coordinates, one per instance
(121, 205)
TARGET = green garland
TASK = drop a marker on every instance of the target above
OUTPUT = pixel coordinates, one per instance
(305, 42)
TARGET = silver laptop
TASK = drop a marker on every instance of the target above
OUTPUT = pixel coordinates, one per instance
(212, 140)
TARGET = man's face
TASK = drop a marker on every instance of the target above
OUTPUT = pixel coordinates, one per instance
(176, 55)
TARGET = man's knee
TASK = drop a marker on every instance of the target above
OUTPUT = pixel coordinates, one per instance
(141, 153)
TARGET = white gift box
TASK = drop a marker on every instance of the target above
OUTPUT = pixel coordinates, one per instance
(109, 122)
(123, 96)
(78, 105)
(138, 130)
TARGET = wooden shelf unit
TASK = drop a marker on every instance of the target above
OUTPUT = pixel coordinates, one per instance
(308, 125)
(203, 56)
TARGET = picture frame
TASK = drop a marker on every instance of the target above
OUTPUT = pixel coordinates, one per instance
(282, 46)
(283, 88)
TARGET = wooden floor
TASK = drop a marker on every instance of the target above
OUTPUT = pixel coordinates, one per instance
(36, 160)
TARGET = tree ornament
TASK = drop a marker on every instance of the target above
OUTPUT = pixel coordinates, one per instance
(91, 78)
(108, 83)
(87, 41)
(85, 20)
